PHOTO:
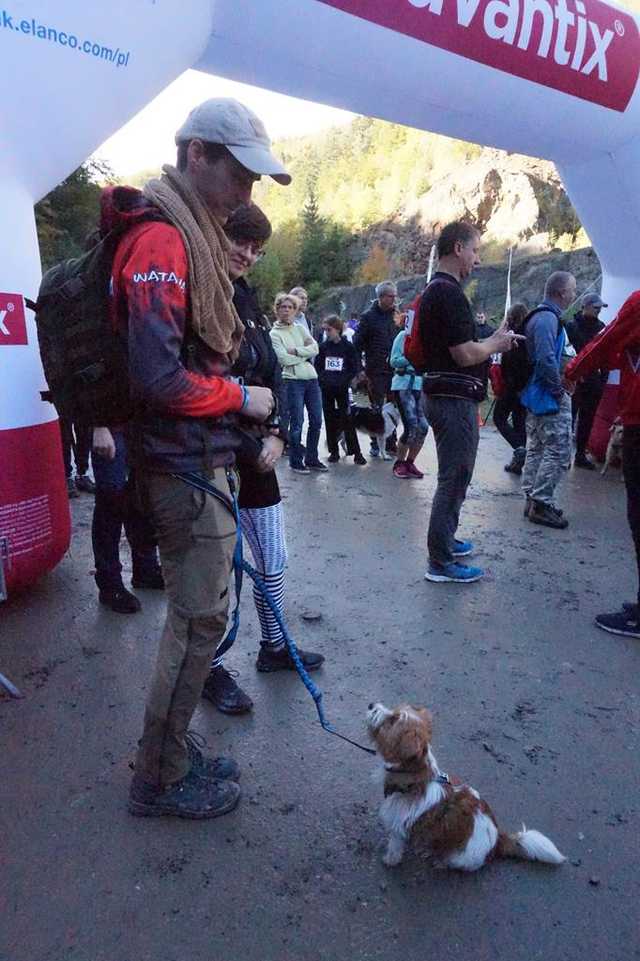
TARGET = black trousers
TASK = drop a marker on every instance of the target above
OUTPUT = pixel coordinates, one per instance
(631, 474)
(335, 407)
(584, 405)
(515, 432)
(77, 438)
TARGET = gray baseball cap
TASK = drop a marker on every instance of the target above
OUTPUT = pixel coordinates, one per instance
(228, 122)
(593, 300)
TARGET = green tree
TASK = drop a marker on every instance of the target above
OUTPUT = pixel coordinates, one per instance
(311, 263)
(70, 212)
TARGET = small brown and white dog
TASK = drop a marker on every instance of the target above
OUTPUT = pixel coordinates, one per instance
(447, 821)
(613, 457)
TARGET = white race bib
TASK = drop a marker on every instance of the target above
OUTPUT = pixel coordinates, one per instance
(333, 363)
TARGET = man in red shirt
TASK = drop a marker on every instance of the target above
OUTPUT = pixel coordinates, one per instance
(618, 346)
(172, 306)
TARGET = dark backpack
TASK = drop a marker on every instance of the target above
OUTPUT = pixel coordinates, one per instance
(84, 361)
(515, 364)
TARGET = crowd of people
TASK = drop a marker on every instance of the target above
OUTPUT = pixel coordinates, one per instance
(221, 395)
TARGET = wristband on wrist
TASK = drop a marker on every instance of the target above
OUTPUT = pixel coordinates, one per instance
(245, 398)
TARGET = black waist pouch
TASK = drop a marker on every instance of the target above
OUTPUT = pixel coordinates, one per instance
(449, 384)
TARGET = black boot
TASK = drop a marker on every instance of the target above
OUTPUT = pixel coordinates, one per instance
(280, 660)
(119, 599)
(223, 692)
(150, 580)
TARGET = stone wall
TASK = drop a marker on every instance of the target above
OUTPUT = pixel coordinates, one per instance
(486, 288)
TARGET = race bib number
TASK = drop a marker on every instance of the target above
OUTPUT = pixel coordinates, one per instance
(333, 363)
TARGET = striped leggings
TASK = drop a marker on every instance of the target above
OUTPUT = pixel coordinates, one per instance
(263, 529)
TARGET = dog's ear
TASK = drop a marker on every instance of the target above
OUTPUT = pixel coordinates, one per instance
(412, 744)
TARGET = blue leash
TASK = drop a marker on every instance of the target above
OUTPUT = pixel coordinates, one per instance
(241, 566)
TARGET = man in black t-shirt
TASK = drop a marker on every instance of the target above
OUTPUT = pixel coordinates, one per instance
(454, 383)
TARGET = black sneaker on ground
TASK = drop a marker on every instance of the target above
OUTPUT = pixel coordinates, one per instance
(72, 490)
(300, 469)
(151, 580)
(280, 660)
(359, 459)
(84, 483)
(513, 467)
(120, 600)
(527, 505)
(212, 768)
(333, 458)
(316, 465)
(547, 515)
(626, 622)
(581, 460)
(223, 692)
(192, 797)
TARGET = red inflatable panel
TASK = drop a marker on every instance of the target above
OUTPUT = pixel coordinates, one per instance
(34, 507)
(605, 416)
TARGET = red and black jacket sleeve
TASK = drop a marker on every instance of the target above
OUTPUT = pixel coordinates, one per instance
(151, 298)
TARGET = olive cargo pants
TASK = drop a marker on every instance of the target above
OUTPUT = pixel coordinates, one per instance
(196, 538)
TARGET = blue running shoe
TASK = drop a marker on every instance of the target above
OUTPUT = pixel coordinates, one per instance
(462, 548)
(453, 573)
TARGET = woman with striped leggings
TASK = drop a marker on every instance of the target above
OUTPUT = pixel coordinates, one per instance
(261, 515)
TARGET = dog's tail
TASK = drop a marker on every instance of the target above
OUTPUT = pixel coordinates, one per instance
(528, 846)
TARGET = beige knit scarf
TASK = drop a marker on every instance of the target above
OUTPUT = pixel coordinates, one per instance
(213, 316)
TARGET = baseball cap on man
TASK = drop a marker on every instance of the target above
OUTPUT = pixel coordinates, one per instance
(593, 300)
(228, 122)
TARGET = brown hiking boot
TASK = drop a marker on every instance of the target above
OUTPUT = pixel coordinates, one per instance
(192, 797)
(547, 515)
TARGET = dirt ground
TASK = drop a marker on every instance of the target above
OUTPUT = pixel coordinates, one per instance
(533, 705)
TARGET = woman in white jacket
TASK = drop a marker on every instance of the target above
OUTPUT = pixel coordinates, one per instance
(295, 350)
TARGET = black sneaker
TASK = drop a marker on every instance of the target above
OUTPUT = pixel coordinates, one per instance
(359, 459)
(333, 458)
(547, 515)
(527, 505)
(151, 580)
(72, 490)
(192, 797)
(212, 768)
(300, 469)
(223, 692)
(280, 660)
(316, 465)
(626, 622)
(84, 483)
(582, 461)
(120, 600)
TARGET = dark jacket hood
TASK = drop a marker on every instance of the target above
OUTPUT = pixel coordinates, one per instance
(123, 207)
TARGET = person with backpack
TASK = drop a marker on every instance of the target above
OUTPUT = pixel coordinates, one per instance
(509, 415)
(581, 330)
(548, 404)
(337, 365)
(259, 500)
(171, 305)
(374, 338)
(407, 389)
(443, 346)
(618, 347)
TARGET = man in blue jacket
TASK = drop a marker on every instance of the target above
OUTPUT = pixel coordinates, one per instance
(547, 403)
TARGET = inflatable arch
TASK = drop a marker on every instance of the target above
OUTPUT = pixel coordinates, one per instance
(550, 78)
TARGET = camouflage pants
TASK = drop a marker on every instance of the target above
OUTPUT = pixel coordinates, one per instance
(548, 452)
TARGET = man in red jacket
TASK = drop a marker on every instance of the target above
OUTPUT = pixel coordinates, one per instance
(172, 306)
(618, 346)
